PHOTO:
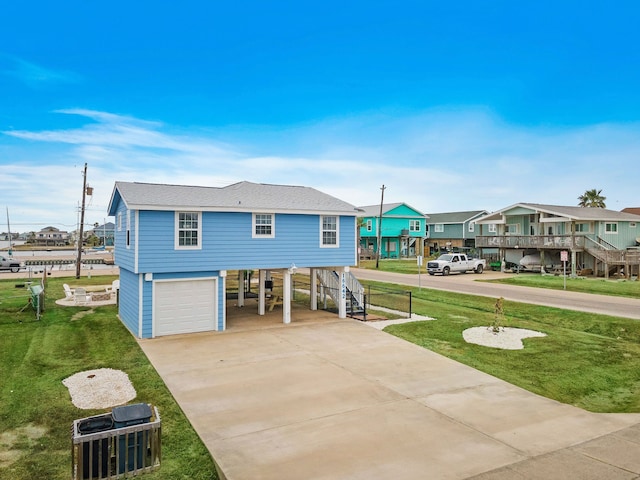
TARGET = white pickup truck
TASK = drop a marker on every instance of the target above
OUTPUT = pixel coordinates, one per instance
(455, 262)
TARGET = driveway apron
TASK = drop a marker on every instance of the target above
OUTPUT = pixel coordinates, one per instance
(342, 400)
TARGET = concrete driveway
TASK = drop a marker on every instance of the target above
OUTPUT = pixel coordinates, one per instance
(336, 399)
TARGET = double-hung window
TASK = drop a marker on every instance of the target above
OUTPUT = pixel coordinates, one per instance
(611, 227)
(414, 225)
(188, 230)
(264, 225)
(438, 227)
(329, 230)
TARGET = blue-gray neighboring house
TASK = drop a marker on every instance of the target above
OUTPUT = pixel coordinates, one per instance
(175, 244)
(452, 230)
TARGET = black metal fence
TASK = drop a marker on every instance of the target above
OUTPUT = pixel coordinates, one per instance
(388, 302)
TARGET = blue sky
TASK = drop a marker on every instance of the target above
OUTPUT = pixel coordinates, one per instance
(451, 105)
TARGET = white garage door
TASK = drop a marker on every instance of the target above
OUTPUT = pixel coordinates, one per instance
(184, 306)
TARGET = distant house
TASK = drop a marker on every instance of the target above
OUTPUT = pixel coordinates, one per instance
(51, 237)
(603, 241)
(453, 230)
(634, 210)
(175, 245)
(403, 230)
(104, 233)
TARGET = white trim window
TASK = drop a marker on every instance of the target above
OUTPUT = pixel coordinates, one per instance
(611, 227)
(632, 224)
(329, 231)
(188, 231)
(414, 225)
(472, 227)
(119, 221)
(492, 228)
(263, 225)
(369, 225)
(438, 227)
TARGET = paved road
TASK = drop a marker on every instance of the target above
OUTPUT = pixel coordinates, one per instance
(584, 302)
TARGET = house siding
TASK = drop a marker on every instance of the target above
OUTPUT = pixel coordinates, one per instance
(626, 236)
(125, 257)
(128, 300)
(227, 243)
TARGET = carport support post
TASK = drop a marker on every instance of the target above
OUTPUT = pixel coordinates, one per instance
(262, 291)
(240, 288)
(342, 304)
(314, 289)
(286, 297)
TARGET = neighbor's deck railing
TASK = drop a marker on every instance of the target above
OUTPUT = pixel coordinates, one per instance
(531, 241)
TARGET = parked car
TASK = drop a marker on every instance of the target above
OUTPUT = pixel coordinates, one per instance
(12, 264)
(455, 262)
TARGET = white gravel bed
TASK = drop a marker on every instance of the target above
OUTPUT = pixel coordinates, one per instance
(507, 338)
(101, 388)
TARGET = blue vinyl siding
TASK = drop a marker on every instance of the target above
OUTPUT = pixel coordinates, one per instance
(227, 243)
(124, 257)
(147, 308)
(129, 300)
(451, 230)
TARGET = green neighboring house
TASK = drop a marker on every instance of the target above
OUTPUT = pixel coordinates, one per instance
(452, 230)
(404, 230)
(596, 239)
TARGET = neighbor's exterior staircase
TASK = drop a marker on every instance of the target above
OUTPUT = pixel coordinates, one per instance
(610, 256)
(354, 289)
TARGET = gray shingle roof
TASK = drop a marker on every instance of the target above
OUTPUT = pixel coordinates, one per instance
(242, 196)
(573, 213)
(454, 217)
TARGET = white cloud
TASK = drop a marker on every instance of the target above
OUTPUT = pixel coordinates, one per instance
(435, 161)
(36, 76)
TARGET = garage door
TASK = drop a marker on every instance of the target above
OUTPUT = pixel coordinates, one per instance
(184, 306)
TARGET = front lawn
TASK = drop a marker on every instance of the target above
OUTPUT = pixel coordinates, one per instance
(36, 412)
(587, 360)
(395, 266)
(621, 288)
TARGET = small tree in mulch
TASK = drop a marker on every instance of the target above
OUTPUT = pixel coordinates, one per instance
(498, 317)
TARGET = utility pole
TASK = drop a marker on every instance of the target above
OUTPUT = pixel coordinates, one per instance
(81, 229)
(380, 227)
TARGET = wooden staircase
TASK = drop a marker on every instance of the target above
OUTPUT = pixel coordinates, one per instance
(611, 258)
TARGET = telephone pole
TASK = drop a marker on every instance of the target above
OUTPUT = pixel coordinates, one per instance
(81, 229)
(380, 227)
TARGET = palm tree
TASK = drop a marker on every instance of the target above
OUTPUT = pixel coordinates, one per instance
(592, 198)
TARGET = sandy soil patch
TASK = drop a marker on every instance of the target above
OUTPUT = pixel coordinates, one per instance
(507, 338)
(11, 438)
(101, 388)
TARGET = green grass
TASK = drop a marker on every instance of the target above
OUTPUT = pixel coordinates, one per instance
(621, 288)
(395, 266)
(587, 360)
(36, 412)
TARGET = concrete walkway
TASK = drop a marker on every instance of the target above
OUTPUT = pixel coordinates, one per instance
(336, 399)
